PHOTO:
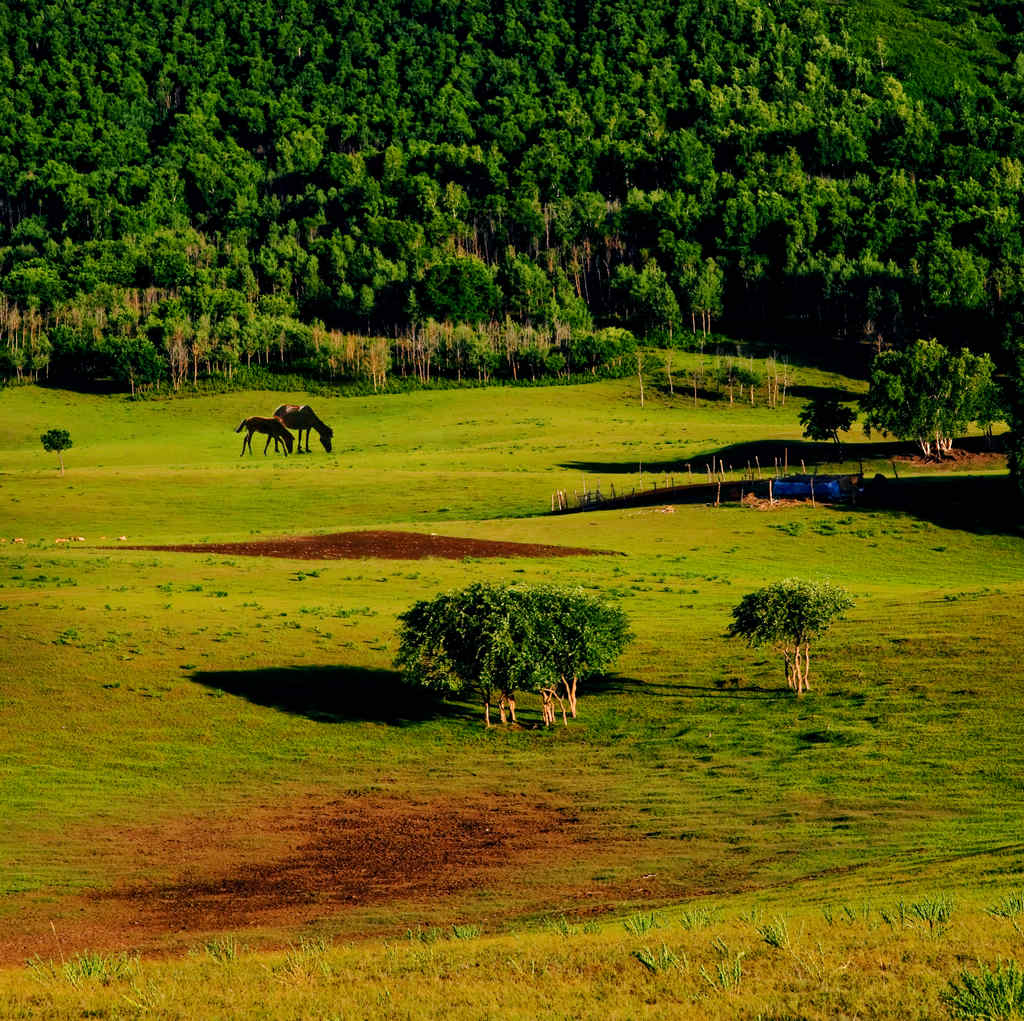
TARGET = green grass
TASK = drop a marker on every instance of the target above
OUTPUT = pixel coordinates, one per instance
(140, 688)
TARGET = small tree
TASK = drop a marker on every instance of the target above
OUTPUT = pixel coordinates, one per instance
(576, 636)
(825, 418)
(495, 640)
(788, 615)
(57, 440)
(475, 640)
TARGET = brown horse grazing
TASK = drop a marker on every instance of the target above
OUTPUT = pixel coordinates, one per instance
(274, 430)
(302, 417)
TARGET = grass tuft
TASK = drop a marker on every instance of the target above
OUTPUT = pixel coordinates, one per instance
(987, 993)
(657, 961)
(641, 924)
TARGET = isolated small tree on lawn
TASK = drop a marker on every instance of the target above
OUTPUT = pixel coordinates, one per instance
(475, 640)
(788, 615)
(495, 640)
(57, 440)
(825, 418)
(576, 636)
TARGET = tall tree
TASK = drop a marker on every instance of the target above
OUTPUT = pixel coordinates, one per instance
(926, 394)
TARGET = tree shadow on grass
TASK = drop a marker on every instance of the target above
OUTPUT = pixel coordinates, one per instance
(761, 453)
(795, 456)
(821, 393)
(615, 684)
(332, 694)
(983, 504)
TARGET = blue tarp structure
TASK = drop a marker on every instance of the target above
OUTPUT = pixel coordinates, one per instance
(800, 489)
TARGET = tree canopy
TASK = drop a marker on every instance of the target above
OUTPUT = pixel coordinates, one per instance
(492, 640)
(57, 440)
(825, 418)
(254, 170)
(929, 394)
(789, 614)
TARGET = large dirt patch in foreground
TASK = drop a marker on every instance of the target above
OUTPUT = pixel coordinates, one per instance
(274, 869)
(377, 544)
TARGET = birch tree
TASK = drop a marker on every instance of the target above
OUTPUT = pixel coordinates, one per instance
(927, 394)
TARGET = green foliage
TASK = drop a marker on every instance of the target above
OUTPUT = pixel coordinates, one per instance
(789, 614)
(934, 912)
(775, 934)
(928, 394)
(222, 949)
(699, 917)
(575, 636)
(641, 924)
(477, 639)
(57, 440)
(661, 960)
(825, 418)
(991, 994)
(1010, 906)
(728, 971)
(497, 639)
(85, 967)
(848, 169)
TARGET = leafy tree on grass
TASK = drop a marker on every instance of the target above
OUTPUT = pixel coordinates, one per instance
(472, 641)
(788, 615)
(57, 440)
(825, 418)
(927, 394)
(577, 636)
(494, 640)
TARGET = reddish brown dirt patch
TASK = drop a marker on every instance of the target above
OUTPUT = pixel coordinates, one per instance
(377, 544)
(277, 869)
(981, 460)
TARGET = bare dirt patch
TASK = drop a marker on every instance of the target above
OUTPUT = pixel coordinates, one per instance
(275, 869)
(958, 459)
(382, 545)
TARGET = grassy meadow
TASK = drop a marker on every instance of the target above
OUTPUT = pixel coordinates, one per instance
(740, 853)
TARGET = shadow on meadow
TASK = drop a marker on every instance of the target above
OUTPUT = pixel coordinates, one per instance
(332, 694)
(763, 452)
(982, 504)
(616, 684)
(789, 452)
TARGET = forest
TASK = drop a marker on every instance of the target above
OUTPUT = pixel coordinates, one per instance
(465, 190)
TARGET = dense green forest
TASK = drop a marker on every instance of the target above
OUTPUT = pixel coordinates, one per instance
(466, 188)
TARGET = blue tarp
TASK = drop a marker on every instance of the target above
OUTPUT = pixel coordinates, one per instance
(824, 489)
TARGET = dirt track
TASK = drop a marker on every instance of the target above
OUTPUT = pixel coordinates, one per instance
(378, 545)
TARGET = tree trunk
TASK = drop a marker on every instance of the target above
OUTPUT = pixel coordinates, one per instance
(798, 681)
(570, 694)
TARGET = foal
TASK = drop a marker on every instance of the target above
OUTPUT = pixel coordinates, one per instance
(274, 430)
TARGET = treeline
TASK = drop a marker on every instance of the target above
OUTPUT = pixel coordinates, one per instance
(139, 340)
(793, 165)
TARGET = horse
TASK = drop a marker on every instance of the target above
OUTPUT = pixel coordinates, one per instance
(302, 417)
(274, 430)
